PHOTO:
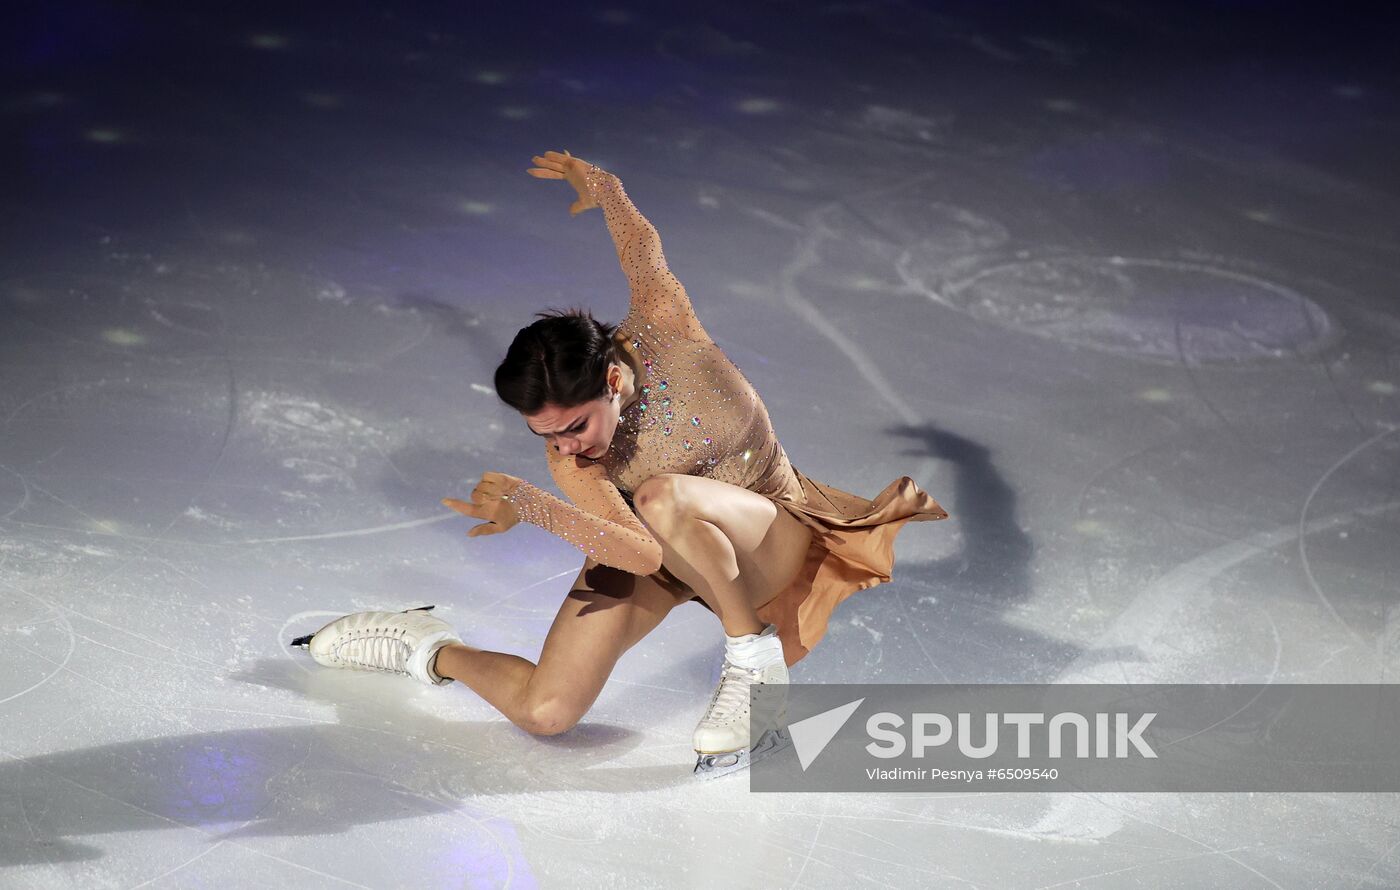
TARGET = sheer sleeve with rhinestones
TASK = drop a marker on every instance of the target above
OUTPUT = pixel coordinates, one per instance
(598, 522)
(658, 297)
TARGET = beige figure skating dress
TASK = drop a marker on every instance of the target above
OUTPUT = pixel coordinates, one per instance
(697, 415)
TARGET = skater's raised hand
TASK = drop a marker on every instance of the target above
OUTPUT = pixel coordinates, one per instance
(491, 502)
(553, 165)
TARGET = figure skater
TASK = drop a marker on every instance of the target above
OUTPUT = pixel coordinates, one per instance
(678, 490)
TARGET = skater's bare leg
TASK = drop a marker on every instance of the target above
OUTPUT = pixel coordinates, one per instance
(734, 547)
(604, 615)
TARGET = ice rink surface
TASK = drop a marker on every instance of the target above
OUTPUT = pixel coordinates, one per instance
(1116, 283)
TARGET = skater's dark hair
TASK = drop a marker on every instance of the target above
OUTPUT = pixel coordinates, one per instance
(562, 359)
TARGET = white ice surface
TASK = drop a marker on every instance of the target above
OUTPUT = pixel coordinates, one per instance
(1148, 366)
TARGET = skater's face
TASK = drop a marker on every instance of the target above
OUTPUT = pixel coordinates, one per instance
(587, 429)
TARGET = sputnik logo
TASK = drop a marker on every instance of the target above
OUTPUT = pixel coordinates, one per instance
(811, 736)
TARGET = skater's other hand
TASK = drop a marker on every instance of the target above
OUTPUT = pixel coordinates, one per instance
(553, 165)
(490, 501)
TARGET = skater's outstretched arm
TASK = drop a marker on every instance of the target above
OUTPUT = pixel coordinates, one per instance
(598, 522)
(658, 297)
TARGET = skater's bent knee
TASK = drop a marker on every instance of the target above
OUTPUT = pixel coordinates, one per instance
(549, 717)
(662, 498)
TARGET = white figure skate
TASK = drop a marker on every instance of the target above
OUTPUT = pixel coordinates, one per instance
(722, 737)
(391, 642)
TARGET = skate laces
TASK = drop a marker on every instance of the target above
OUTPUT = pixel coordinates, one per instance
(732, 692)
(376, 648)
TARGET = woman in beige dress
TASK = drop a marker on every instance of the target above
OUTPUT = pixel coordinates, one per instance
(677, 489)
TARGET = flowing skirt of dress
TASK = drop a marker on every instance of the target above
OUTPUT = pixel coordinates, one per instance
(852, 548)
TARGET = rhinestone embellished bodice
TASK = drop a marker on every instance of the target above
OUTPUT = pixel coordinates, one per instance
(697, 414)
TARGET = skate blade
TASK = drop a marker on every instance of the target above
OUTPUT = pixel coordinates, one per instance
(712, 766)
(305, 642)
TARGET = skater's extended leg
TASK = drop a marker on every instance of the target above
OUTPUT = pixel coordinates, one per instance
(604, 615)
(734, 547)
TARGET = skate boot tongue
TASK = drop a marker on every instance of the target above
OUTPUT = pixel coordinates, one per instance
(754, 651)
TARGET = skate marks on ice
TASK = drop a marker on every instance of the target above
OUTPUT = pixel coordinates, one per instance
(32, 636)
(908, 239)
(15, 492)
(1247, 317)
(1390, 622)
(1173, 632)
(158, 343)
(117, 343)
(385, 760)
(356, 532)
(311, 459)
(1161, 310)
(965, 262)
(1239, 605)
(1187, 622)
